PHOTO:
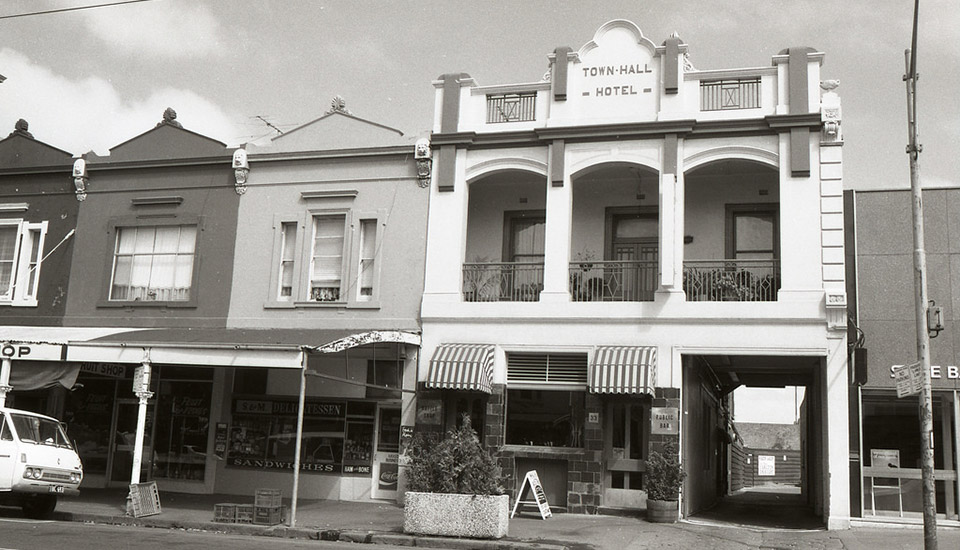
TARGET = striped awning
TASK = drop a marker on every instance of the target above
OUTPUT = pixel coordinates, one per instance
(462, 367)
(624, 369)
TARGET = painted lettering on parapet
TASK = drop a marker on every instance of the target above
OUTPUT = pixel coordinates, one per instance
(621, 88)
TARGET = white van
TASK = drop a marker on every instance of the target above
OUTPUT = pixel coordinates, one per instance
(38, 463)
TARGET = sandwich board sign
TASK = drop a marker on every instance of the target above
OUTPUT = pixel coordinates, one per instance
(533, 481)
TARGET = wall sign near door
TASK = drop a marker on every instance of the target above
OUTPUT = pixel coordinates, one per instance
(664, 420)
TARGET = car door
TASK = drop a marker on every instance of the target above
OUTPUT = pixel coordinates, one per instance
(8, 454)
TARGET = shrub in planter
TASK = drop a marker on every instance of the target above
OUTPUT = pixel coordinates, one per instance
(662, 480)
(455, 488)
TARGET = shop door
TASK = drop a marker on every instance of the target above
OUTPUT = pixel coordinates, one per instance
(386, 452)
(123, 440)
(624, 454)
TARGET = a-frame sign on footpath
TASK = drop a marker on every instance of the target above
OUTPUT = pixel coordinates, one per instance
(533, 481)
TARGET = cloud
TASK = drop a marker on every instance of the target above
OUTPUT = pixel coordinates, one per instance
(170, 29)
(89, 114)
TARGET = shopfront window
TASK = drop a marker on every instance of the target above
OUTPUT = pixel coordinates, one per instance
(546, 418)
(892, 456)
(182, 425)
(89, 416)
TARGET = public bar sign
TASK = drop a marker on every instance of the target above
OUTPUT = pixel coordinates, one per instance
(909, 379)
(664, 420)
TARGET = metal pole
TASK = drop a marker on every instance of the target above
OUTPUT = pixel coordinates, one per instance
(141, 387)
(5, 386)
(920, 283)
(296, 458)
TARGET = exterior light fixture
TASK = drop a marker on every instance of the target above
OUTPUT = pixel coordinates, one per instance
(424, 162)
(240, 170)
(80, 178)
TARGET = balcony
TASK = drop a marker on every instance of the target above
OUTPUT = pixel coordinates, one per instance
(731, 280)
(502, 281)
(613, 281)
(722, 95)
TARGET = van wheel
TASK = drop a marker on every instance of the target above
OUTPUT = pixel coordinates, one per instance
(39, 507)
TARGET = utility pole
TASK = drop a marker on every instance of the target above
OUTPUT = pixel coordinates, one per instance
(920, 284)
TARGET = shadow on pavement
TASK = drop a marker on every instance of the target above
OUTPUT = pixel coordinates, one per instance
(768, 506)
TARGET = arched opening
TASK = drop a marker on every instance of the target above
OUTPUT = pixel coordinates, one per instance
(616, 234)
(506, 229)
(732, 232)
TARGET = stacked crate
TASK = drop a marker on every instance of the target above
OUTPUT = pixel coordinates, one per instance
(267, 507)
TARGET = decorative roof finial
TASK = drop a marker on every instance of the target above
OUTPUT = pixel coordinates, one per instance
(170, 117)
(20, 129)
(339, 105)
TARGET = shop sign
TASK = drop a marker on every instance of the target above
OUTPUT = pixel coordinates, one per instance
(766, 465)
(406, 446)
(533, 481)
(353, 469)
(429, 412)
(664, 420)
(110, 370)
(909, 379)
(267, 464)
(387, 480)
(288, 408)
(937, 372)
(31, 352)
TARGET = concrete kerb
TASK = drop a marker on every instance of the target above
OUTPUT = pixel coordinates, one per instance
(283, 531)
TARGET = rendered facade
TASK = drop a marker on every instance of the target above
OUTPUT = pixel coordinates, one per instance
(616, 247)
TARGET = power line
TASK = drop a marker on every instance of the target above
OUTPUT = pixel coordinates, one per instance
(75, 8)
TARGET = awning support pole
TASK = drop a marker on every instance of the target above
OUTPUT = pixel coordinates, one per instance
(296, 456)
(141, 387)
(5, 386)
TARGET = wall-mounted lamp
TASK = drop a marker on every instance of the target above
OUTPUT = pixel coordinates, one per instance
(424, 162)
(240, 170)
(80, 178)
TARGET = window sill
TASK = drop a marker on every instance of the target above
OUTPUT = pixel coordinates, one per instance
(321, 305)
(10, 303)
(142, 304)
(545, 450)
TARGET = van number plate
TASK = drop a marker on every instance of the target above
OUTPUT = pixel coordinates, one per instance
(56, 489)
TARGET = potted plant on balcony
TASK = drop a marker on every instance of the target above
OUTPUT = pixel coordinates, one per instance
(455, 488)
(662, 480)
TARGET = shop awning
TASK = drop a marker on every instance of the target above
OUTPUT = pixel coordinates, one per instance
(624, 370)
(462, 367)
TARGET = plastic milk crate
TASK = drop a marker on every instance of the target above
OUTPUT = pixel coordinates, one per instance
(267, 515)
(267, 497)
(244, 513)
(225, 513)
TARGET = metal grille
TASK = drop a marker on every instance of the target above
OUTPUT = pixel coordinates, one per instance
(613, 281)
(502, 281)
(49, 475)
(731, 280)
(720, 95)
(511, 107)
(547, 368)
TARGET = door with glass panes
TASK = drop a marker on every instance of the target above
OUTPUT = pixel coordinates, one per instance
(387, 452)
(626, 432)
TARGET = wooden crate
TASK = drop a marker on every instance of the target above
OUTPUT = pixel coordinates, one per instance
(244, 513)
(267, 515)
(267, 497)
(225, 513)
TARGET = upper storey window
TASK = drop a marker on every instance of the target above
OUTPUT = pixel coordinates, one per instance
(511, 107)
(21, 249)
(154, 263)
(721, 95)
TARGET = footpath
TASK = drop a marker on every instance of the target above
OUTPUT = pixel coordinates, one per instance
(382, 523)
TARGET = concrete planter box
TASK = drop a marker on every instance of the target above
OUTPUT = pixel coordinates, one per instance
(449, 515)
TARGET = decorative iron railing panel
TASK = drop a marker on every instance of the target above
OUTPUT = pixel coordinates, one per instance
(502, 282)
(721, 95)
(613, 281)
(731, 280)
(511, 107)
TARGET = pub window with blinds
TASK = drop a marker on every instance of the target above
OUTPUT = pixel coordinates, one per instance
(545, 399)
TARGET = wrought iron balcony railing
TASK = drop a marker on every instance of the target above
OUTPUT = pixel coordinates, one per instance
(731, 280)
(613, 281)
(502, 281)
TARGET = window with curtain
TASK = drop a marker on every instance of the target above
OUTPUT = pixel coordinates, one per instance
(288, 242)
(154, 263)
(326, 263)
(21, 247)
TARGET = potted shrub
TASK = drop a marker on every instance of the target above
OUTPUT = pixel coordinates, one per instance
(662, 479)
(455, 488)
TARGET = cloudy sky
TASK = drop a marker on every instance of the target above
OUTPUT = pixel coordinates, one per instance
(91, 79)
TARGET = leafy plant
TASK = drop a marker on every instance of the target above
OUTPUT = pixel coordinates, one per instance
(457, 464)
(664, 474)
